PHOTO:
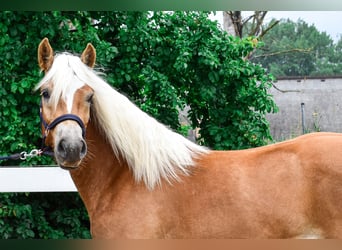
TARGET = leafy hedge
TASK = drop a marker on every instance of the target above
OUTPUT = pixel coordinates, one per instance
(162, 60)
(43, 216)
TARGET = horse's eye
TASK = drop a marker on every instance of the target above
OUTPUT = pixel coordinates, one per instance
(90, 98)
(45, 94)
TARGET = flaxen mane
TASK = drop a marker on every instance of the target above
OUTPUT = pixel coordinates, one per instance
(152, 150)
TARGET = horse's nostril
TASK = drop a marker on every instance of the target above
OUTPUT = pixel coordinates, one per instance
(62, 148)
(83, 149)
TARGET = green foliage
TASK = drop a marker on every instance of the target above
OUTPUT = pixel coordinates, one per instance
(298, 49)
(172, 59)
(42, 215)
(163, 61)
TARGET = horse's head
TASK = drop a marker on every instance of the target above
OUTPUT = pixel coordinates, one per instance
(65, 104)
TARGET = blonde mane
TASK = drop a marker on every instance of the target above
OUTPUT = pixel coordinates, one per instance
(152, 151)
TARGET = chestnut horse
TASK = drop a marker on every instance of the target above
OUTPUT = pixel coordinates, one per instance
(138, 179)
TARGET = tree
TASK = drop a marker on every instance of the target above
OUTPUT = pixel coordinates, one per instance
(298, 49)
(252, 25)
(163, 61)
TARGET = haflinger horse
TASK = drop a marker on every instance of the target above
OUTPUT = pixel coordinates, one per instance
(139, 179)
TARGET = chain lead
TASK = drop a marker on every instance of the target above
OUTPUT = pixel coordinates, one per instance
(35, 152)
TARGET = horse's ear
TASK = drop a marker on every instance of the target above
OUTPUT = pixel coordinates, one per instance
(88, 56)
(45, 55)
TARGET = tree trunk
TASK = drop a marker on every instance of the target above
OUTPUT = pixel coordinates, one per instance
(232, 22)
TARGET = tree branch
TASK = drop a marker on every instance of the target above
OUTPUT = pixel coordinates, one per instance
(283, 91)
(268, 28)
(285, 51)
(246, 20)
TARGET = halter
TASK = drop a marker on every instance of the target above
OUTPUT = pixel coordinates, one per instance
(58, 120)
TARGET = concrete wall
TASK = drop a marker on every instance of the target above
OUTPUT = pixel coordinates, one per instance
(322, 106)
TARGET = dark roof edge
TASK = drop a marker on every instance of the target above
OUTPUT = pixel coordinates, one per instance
(307, 77)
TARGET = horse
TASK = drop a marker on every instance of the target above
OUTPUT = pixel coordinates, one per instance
(139, 179)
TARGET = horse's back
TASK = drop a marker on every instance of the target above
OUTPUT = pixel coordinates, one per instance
(288, 189)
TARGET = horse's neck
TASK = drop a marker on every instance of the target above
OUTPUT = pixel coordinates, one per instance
(99, 171)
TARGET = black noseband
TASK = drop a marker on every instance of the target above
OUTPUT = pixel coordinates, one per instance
(55, 122)
(63, 118)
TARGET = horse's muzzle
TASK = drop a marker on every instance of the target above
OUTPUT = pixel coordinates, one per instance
(69, 151)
